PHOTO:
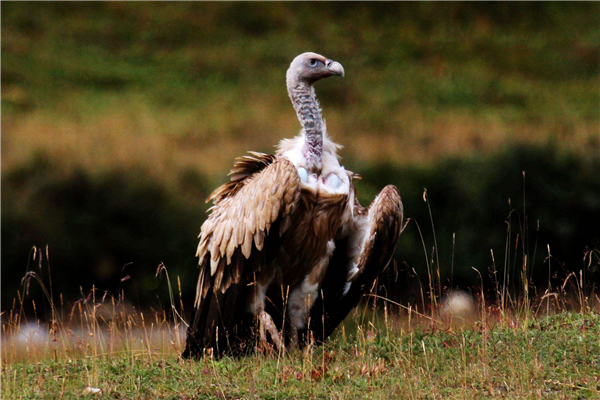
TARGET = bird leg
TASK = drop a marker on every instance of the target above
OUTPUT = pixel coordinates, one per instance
(294, 337)
(266, 324)
(299, 307)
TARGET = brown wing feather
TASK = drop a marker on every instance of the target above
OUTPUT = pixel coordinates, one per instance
(243, 168)
(385, 216)
(262, 190)
(376, 229)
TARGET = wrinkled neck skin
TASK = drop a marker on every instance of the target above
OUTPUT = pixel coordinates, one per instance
(307, 108)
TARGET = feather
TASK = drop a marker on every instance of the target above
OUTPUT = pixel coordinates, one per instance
(231, 247)
(247, 245)
(238, 266)
(286, 221)
(250, 221)
(259, 238)
(274, 211)
(274, 188)
(219, 276)
(214, 263)
(225, 240)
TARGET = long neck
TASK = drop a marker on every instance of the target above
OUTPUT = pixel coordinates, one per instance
(307, 108)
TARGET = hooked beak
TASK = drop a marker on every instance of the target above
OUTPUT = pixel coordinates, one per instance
(335, 68)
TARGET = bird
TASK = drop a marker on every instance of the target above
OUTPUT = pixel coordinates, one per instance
(287, 251)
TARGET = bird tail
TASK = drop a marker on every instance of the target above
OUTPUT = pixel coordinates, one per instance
(220, 324)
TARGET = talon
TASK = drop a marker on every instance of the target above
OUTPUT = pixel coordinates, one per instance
(266, 324)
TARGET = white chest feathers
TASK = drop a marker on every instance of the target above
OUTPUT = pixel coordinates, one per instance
(303, 174)
(331, 183)
(332, 179)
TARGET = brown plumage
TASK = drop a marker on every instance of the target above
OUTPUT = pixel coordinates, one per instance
(242, 217)
(382, 223)
(286, 232)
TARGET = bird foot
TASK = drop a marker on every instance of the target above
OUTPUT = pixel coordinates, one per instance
(266, 324)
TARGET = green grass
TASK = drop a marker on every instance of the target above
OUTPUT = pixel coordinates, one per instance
(186, 81)
(544, 346)
(160, 98)
(551, 357)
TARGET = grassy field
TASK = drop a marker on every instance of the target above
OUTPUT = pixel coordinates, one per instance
(177, 86)
(455, 347)
(497, 356)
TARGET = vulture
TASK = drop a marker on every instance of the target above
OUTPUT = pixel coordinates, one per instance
(287, 251)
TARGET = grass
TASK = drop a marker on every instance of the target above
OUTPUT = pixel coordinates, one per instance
(374, 356)
(181, 86)
(521, 347)
(515, 345)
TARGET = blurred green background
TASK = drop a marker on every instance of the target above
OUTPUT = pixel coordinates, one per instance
(118, 119)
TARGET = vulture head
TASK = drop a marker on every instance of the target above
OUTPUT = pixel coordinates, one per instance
(310, 67)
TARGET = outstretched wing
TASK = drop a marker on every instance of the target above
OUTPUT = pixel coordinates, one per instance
(237, 242)
(359, 258)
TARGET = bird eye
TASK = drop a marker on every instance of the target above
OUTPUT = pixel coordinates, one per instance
(313, 62)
